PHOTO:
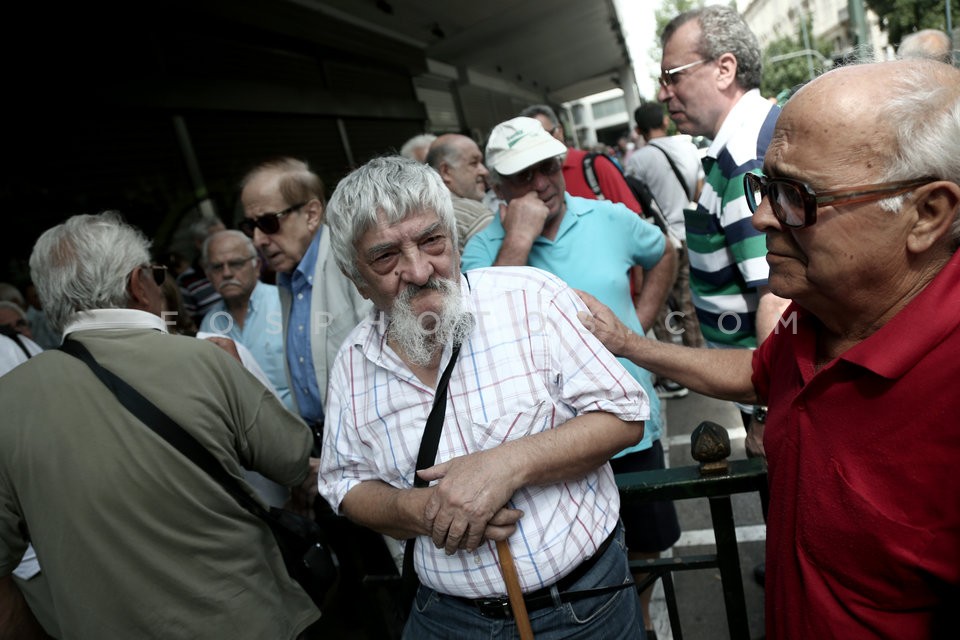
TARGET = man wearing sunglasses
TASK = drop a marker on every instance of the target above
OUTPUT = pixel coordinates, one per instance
(592, 245)
(283, 204)
(710, 85)
(130, 533)
(860, 204)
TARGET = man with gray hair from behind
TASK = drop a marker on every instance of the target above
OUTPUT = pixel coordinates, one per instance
(417, 147)
(135, 539)
(530, 406)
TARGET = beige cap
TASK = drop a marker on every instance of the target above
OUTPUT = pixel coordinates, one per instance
(519, 143)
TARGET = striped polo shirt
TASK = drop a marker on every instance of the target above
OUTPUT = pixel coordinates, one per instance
(727, 255)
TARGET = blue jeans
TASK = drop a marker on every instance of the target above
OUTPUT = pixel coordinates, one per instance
(609, 616)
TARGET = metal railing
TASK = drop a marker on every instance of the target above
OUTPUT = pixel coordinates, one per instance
(683, 483)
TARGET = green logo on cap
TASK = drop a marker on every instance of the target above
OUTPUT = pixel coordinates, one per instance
(515, 138)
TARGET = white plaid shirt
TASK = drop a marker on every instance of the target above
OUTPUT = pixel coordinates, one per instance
(528, 366)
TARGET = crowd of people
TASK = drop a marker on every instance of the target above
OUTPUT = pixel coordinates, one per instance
(461, 347)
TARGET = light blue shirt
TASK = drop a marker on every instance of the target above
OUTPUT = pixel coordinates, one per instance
(597, 244)
(303, 376)
(262, 334)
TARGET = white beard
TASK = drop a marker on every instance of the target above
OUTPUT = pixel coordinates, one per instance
(421, 338)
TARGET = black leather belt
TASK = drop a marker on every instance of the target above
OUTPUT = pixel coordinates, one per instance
(542, 598)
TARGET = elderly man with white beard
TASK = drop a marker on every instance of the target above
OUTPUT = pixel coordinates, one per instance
(534, 408)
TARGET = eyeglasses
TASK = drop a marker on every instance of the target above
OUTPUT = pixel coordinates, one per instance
(158, 271)
(670, 77)
(547, 167)
(269, 223)
(795, 204)
(217, 267)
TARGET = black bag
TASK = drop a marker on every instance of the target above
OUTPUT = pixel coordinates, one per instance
(307, 559)
(641, 191)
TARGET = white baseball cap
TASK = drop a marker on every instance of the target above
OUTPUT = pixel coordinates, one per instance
(519, 143)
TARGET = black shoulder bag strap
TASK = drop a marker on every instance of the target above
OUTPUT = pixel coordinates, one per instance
(164, 426)
(425, 458)
(676, 171)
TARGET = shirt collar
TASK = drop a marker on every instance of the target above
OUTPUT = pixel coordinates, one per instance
(308, 263)
(741, 111)
(114, 319)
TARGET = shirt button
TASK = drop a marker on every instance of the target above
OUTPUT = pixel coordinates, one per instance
(299, 296)
(300, 328)
(301, 359)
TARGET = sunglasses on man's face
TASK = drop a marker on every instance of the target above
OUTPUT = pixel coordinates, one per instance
(547, 167)
(795, 204)
(158, 271)
(269, 223)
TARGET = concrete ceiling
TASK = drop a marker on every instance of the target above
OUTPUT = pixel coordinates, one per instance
(561, 49)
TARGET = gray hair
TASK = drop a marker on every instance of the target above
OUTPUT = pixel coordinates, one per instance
(13, 306)
(416, 142)
(232, 233)
(10, 293)
(722, 30)
(544, 110)
(393, 187)
(443, 151)
(922, 109)
(85, 263)
(926, 43)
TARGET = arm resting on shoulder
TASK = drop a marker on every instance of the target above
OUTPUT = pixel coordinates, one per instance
(17, 622)
(720, 373)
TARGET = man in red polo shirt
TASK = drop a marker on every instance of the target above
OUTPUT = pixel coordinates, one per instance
(860, 201)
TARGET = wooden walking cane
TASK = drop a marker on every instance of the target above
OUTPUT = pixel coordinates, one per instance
(517, 604)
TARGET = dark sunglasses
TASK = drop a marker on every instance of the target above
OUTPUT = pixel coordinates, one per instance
(158, 271)
(547, 167)
(795, 204)
(269, 223)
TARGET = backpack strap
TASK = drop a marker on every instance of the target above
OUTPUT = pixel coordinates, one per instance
(683, 183)
(590, 175)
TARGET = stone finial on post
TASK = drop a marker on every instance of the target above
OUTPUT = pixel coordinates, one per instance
(710, 446)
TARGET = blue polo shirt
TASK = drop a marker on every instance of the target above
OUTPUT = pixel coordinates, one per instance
(303, 375)
(597, 244)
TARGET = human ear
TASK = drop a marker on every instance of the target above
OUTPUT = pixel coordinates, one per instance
(139, 299)
(726, 71)
(937, 205)
(314, 211)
